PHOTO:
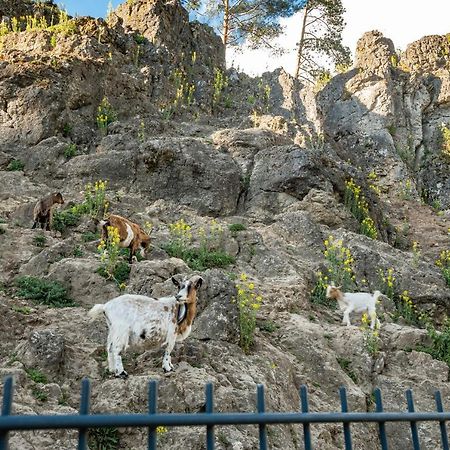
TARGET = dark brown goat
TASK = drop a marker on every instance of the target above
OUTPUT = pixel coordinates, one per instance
(42, 213)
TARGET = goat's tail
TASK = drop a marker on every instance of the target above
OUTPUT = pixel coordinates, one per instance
(96, 310)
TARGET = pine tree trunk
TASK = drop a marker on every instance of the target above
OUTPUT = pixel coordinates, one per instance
(300, 43)
(226, 22)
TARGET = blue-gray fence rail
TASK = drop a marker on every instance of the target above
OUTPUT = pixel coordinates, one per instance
(83, 421)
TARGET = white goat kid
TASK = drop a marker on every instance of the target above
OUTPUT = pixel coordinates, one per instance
(359, 302)
(136, 320)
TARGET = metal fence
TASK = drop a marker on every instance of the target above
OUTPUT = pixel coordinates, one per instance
(83, 421)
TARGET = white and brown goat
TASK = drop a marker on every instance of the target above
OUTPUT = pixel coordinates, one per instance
(131, 235)
(139, 321)
(359, 302)
(42, 213)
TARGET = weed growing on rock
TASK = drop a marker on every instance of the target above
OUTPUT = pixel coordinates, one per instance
(208, 254)
(444, 264)
(440, 342)
(387, 279)
(346, 366)
(371, 337)
(103, 438)
(408, 310)
(339, 261)
(248, 302)
(36, 375)
(220, 83)
(70, 151)
(15, 165)
(105, 116)
(39, 394)
(322, 79)
(112, 265)
(416, 253)
(235, 228)
(445, 137)
(355, 200)
(39, 240)
(22, 310)
(46, 292)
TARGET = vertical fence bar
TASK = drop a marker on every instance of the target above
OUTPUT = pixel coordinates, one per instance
(8, 388)
(261, 409)
(84, 410)
(344, 409)
(209, 410)
(414, 430)
(381, 425)
(439, 408)
(305, 409)
(152, 408)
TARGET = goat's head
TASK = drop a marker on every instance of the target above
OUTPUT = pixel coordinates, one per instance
(333, 291)
(145, 243)
(187, 290)
(58, 198)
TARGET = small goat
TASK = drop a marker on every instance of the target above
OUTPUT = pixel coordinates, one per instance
(42, 212)
(132, 236)
(147, 322)
(355, 301)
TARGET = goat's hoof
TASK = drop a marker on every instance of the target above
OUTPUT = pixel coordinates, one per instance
(123, 375)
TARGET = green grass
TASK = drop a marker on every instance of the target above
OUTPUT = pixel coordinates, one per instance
(346, 367)
(46, 292)
(89, 236)
(268, 326)
(39, 240)
(22, 309)
(36, 375)
(15, 164)
(440, 342)
(39, 394)
(200, 258)
(103, 439)
(70, 151)
(236, 227)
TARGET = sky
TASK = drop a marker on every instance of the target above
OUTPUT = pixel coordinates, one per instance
(403, 21)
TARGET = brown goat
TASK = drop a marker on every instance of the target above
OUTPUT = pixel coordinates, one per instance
(42, 212)
(132, 236)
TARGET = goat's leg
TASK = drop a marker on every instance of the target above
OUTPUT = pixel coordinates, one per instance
(346, 318)
(117, 344)
(374, 319)
(111, 358)
(167, 360)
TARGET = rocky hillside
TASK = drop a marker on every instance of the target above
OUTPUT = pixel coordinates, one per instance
(262, 183)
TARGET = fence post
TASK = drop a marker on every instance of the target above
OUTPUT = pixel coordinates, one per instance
(344, 409)
(381, 425)
(152, 408)
(305, 408)
(84, 409)
(439, 408)
(261, 409)
(209, 410)
(8, 388)
(414, 431)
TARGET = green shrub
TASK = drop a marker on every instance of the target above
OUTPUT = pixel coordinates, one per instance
(39, 394)
(39, 240)
(236, 227)
(103, 438)
(346, 367)
(36, 375)
(46, 292)
(68, 218)
(89, 236)
(207, 255)
(440, 342)
(15, 164)
(444, 264)
(70, 151)
(105, 115)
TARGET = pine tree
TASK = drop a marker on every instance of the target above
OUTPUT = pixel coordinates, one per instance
(253, 21)
(320, 40)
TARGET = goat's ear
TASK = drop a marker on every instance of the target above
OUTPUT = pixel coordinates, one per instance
(176, 282)
(198, 281)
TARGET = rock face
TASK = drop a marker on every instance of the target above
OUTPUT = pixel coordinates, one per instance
(257, 169)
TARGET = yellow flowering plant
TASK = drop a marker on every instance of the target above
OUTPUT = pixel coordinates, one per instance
(444, 264)
(339, 271)
(355, 200)
(371, 337)
(249, 302)
(209, 249)
(387, 278)
(112, 265)
(105, 115)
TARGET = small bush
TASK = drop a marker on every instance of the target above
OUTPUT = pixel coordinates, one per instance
(105, 115)
(70, 151)
(39, 394)
(50, 293)
(15, 164)
(67, 218)
(36, 375)
(248, 302)
(103, 438)
(89, 236)
(440, 346)
(39, 240)
(444, 264)
(236, 227)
